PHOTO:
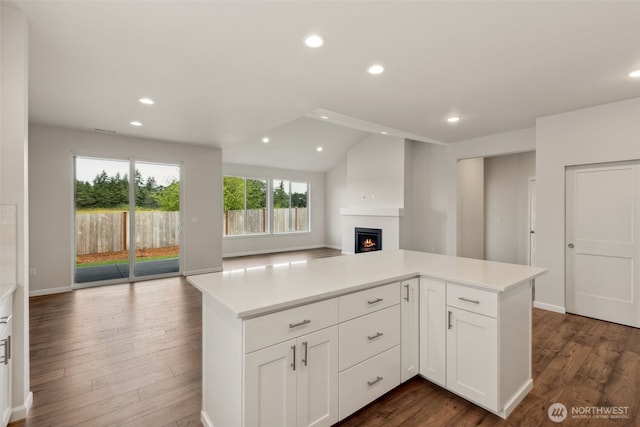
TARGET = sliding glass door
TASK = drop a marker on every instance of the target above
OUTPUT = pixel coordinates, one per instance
(125, 228)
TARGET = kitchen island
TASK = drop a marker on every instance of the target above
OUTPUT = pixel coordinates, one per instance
(309, 343)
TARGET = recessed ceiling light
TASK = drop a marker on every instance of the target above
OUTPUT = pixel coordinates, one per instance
(324, 117)
(384, 133)
(147, 101)
(313, 40)
(376, 69)
(265, 140)
(319, 149)
(135, 123)
(635, 73)
(453, 119)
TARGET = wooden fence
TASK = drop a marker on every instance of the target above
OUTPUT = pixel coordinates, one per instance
(256, 221)
(108, 232)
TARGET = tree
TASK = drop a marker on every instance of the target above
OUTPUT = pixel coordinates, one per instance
(299, 200)
(168, 199)
(256, 194)
(281, 197)
(233, 189)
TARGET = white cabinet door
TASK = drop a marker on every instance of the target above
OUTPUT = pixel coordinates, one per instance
(5, 370)
(270, 386)
(433, 330)
(409, 329)
(472, 357)
(317, 382)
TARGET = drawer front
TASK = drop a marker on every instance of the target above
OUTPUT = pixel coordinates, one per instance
(473, 300)
(368, 380)
(270, 329)
(368, 301)
(366, 336)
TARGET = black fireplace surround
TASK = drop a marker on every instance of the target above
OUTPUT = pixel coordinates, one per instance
(368, 239)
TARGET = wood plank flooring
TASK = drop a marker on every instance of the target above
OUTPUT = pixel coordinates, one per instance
(130, 355)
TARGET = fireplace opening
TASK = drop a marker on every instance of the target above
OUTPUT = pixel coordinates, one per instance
(368, 239)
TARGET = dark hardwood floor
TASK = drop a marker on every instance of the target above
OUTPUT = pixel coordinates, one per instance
(130, 355)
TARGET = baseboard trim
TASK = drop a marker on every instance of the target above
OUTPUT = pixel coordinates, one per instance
(274, 251)
(20, 412)
(204, 419)
(202, 271)
(550, 307)
(50, 291)
(339, 248)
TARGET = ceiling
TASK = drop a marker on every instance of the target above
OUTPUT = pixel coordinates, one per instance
(228, 73)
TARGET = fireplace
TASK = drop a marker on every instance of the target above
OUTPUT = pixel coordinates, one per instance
(368, 239)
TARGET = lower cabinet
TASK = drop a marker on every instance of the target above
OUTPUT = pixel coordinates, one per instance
(433, 330)
(472, 357)
(410, 329)
(294, 383)
(5, 360)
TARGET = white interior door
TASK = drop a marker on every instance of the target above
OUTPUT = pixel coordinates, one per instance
(603, 241)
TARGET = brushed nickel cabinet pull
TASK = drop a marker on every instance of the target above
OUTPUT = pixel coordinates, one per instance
(293, 364)
(373, 337)
(6, 343)
(407, 289)
(449, 320)
(304, 360)
(374, 301)
(473, 301)
(377, 380)
(295, 325)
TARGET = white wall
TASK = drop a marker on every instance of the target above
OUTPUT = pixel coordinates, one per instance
(51, 197)
(14, 185)
(493, 145)
(429, 198)
(335, 198)
(245, 245)
(506, 207)
(406, 221)
(470, 193)
(605, 133)
(375, 173)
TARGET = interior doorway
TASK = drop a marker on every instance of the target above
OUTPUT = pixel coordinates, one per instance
(603, 241)
(125, 228)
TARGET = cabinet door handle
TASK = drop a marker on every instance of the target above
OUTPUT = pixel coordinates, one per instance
(407, 289)
(473, 301)
(304, 360)
(295, 325)
(373, 337)
(6, 343)
(377, 380)
(374, 301)
(449, 319)
(293, 364)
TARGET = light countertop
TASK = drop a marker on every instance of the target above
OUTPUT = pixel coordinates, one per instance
(254, 291)
(6, 290)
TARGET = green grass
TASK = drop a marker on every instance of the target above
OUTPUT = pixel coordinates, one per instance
(124, 261)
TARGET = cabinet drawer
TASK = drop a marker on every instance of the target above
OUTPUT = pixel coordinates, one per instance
(473, 300)
(369, 380)
(366, 336)
(6, 306)
(270, 329)
(368, 301)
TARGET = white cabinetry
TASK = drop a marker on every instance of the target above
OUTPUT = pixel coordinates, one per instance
(294, 382)
(369, 346)
(410, 329)
(433, 330)
(489, 346)
(5, 360)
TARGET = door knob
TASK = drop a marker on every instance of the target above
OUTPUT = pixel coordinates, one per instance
(570, 245)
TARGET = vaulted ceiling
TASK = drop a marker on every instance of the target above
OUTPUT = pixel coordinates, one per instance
(228, 73)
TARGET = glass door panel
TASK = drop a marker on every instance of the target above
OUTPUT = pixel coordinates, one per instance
(157, 219)
(102, 219)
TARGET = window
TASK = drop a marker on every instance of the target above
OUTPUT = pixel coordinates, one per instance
(245, 206)
(290, 206)
(247, 209)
